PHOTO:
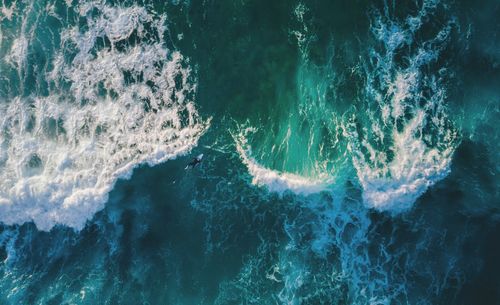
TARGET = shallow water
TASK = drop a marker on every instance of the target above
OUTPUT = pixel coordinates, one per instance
(350, 152)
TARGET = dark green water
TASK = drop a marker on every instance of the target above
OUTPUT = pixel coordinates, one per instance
(350, 150)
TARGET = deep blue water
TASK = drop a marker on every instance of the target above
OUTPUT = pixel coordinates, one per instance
(351, 152)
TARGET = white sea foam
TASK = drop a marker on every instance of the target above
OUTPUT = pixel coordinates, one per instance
(276, 181)
(411, 142)
(18, 52)
(7, 12)
(414, 167)
(110, 109)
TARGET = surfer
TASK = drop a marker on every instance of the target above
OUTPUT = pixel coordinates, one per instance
(195, 162)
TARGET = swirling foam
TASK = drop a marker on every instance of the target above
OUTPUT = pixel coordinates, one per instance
(410, 142)
(110, 108)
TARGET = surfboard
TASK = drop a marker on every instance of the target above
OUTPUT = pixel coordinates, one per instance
(193, 164)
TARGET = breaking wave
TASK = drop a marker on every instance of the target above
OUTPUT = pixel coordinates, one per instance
(275, 181)
(398, 134)
(118, 98)
(408, 143)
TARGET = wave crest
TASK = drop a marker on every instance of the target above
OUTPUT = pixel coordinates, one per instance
(276, 181)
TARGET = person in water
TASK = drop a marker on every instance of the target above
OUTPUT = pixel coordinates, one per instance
(195, 162)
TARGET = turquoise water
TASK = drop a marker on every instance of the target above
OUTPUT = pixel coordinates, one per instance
(351, 152)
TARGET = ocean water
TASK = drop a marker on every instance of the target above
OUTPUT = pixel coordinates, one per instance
(351, 152)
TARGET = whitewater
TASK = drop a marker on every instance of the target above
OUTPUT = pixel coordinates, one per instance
(109, 109)
(350, 152)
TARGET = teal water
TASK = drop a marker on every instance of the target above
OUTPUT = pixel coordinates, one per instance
(351, 152)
